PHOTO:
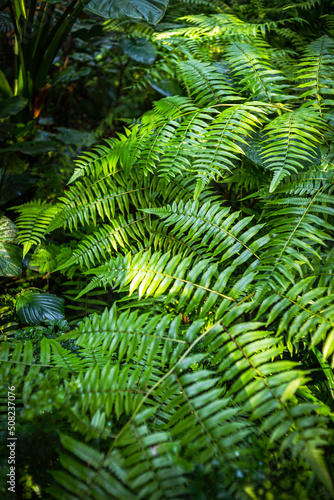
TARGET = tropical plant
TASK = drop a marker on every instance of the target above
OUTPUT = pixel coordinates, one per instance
(40, 28)
(210, 225)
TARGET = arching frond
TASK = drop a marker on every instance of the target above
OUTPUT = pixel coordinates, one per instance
(98, 197)
(212, 230)
(142, 339)
(109, 239)
(33, 222)
(268, 388)
(316, 69)
(219, 150)
(296, 231)
(120, 475)
(256, 73)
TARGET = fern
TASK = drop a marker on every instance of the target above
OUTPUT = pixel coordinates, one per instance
(317, 68)
(259, 77)
(208, 228)
(154, 274)
(205, 83)
(292, 139)
(33, 222)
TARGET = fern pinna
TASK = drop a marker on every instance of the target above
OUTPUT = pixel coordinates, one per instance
(211, 221)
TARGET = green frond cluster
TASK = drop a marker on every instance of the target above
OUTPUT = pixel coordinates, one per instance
(210, 228)
(291, 143)
(260, 78)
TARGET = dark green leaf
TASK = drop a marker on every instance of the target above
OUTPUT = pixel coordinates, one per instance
(33, 148)
(13, 186)
(166, 87)
(15, 164)
(72, 74)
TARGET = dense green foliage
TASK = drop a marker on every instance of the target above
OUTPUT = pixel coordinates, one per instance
(194, 254)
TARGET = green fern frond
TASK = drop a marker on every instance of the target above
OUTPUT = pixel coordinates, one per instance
(100, 157)
(154, 274)
(220, 149)
(329, 19)
(204, 421)
(105, 394)
(108, 240)
(141, 469)
(206, 84)
(127, 336)
(295, 234)
(307, 5)
(225, 26)
(179, 151)
(98, 197)
(84, 467)
(267, 387)
(33, 222)
(305, 312)
(105, 160)
(306, 183)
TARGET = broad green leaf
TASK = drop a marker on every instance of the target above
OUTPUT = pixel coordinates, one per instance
(139, 50)
(33, 147)
(12, 106)
(35, 307)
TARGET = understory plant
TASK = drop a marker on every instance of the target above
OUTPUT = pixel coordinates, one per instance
(207, 231)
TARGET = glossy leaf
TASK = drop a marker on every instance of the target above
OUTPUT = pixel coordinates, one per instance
(35, 307)
(140, 10)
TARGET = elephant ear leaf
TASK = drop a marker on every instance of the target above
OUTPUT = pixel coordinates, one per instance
(36, 307)
(12, 106)
(140, 10)
(10, 252)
